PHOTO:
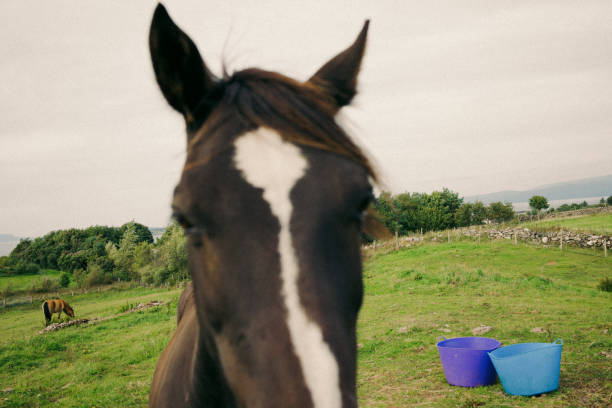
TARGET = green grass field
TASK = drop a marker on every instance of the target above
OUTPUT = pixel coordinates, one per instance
(22, 282)
(417, 294)
(412, 297)
(596, 223)
(108, 364)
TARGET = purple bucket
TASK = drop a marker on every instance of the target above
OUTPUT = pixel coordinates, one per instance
(466, 362)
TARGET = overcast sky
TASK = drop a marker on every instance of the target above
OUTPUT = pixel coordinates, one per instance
(477, 96)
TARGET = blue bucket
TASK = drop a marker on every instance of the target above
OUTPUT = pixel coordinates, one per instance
(528, 368)
(466, 362)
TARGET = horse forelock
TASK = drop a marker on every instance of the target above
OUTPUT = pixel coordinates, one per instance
(299, 112)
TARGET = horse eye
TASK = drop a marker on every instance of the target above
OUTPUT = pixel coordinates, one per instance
(363, 207)
(181, 220)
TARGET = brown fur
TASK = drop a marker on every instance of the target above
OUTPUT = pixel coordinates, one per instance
(56, 306)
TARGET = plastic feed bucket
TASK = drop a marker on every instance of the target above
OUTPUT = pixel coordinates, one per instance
(528, 368)
(466, 361)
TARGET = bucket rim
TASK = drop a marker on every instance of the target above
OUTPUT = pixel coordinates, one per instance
(444, 339)
(542, 346)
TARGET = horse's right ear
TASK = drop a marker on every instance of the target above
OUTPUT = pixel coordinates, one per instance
(338, 77)
(180, 71)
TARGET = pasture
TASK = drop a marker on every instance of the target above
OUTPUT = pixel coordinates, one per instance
(412, 296)
(597, 224)
(23, 282)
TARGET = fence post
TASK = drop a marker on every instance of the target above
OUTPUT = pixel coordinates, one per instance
(396, 241)
(605, 248)
(515, 236)
(448, 233)
(561, 240)
(479, 233)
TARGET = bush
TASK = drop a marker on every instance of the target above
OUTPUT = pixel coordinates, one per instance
(564, 207)
(79, 277)
(500, 212)
(105, 263)
(162, 275)
(64, 280)
(147, 274)
(47, 285)
(26, 268)
(95, 276)
(605, 285)
(411, 212)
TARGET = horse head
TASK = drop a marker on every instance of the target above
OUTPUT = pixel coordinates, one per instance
(271, 198)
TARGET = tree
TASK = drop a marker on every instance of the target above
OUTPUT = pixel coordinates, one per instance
(437, 210)
(143, 234)
(463, 215)
(79, 277)
(123, 257)
(172, 255)
(479, 213)
(95, 276)
(4, 263)
(538, 203)
(500, 212)
(26, 268)
(64, 280)
(609, 200)
(143, 255)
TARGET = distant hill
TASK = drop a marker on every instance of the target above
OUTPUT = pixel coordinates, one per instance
(589, 187)
(157, 232)
(7, 243)
(8, 238)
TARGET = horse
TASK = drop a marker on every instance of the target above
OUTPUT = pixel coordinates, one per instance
(271, 198)
(56, 305)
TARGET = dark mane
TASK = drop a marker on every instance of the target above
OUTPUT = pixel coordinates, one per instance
(300, 112)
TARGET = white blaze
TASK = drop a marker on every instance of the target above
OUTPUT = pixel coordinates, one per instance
(268, 162)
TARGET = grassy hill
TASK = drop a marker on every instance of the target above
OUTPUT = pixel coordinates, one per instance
(22, 282)
(412, 296)
(596, 223)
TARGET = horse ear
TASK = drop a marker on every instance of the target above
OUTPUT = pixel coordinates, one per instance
(338, 77)
(179, 69)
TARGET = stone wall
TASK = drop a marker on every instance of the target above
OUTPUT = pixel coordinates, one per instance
(563, 214)
(545, 238)
(549, 238)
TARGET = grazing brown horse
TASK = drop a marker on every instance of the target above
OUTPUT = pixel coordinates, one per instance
(271, 198)
(56, 306)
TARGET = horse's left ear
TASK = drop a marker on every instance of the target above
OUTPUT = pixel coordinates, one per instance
(179, 69)
(338, 77)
